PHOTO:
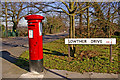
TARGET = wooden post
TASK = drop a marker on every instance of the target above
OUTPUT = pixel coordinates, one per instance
(68, 51)
(110, 52)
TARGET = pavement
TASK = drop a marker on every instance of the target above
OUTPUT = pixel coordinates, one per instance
(12, 49)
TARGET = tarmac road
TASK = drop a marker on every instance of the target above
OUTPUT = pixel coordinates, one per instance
(23, 41)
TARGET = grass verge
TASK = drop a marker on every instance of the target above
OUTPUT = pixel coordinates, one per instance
(88, 58)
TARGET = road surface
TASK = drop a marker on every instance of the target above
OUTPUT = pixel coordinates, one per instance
(23, 41)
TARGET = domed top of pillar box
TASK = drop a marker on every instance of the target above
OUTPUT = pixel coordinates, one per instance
(34, 17)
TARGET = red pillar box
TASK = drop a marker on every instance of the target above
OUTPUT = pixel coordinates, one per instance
(35, 42)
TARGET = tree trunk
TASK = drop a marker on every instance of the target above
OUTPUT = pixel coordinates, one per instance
(80, 21)
(72, 34)
(73, 22)
(94, 35)
(88, 21)
(6, 19)
(15, 27)
(109, 32)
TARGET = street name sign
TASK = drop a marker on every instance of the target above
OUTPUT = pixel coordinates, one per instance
(106, 41)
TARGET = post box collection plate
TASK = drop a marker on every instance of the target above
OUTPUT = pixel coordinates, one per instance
(40, 28)
(30, 33)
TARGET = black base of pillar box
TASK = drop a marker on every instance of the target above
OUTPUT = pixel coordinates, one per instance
(36, 65)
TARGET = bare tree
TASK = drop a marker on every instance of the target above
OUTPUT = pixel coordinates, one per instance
(16, 11)
(106, 13)
(71, 9)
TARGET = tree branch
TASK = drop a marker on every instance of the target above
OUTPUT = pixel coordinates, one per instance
(66, 5)
(82, 9)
